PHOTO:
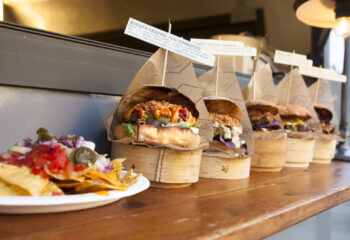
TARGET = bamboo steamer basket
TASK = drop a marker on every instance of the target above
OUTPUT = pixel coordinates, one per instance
(225, 168)
(324, 150)
(164, 167)
(269, 155)
(300, 152)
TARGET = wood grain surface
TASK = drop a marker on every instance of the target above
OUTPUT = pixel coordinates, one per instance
(211, 209)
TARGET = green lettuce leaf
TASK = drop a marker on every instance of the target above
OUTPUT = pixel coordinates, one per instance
(129, 129)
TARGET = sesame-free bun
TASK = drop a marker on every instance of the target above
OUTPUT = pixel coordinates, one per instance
(154, 135)
(294, 111)
(323, 112)
(223, 106)
(262, 106)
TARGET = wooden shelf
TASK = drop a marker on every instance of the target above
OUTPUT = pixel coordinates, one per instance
(211, 209)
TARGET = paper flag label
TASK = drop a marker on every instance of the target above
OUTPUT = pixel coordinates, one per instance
(289, 58)
(322, 73)
(167, 41)
(222, 47)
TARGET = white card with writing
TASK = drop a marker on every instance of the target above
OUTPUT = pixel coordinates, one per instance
(167, 41)
(322, 73)
(222, 47)
(294, 59)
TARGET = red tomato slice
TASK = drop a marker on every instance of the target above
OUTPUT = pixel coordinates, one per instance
(68, 170)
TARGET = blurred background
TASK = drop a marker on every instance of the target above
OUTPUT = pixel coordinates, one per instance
(272, 21)
(105, 20)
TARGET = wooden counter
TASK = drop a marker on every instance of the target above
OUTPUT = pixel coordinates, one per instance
(211, 209)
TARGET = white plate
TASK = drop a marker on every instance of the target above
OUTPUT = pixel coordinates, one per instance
(49, 204)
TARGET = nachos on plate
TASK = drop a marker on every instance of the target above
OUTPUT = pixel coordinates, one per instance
(52, 166)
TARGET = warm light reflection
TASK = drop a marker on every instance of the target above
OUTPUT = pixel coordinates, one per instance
(342, 27)
(1, 11)
(30, 16)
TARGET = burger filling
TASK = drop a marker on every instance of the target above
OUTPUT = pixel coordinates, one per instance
(327, 128)
(325, 120)
(295, 125)
(227, 131)
(161, 114)
(263, 121)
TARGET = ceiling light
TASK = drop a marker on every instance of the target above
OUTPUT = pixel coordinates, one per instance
(342, 27)
(325, 14)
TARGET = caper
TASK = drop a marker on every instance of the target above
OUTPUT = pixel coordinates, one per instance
(42, 130)
(86, 156)
(43, 134)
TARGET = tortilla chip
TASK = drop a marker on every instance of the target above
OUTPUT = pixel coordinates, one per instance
(90, 186)
(10, 190)
(52, 189)
(23, 178)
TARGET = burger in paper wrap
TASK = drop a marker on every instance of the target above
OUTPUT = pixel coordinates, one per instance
(228, 155)
(325, 146)
(300, 136)
(158, 116)
(161, 124)
(325, 116)
(226, 119)
(262, 115)
(155, 128)
(270, 141)
(299, 117)
(294, 117)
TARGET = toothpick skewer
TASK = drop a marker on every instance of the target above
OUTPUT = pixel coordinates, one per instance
(254, 67)
(257, 56)
(166, 57)
(217, 73)
(253, 79)
(317, 87)
(290, 82)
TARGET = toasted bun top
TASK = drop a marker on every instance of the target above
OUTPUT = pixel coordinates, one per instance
(293, 110)
(157, 93)
(323, 112)
(223, 106)
(262, 106)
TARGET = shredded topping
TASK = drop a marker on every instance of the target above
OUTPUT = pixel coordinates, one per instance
(225, 120)
(227, 130)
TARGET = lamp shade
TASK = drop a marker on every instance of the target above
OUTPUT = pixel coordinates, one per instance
(316, 13)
